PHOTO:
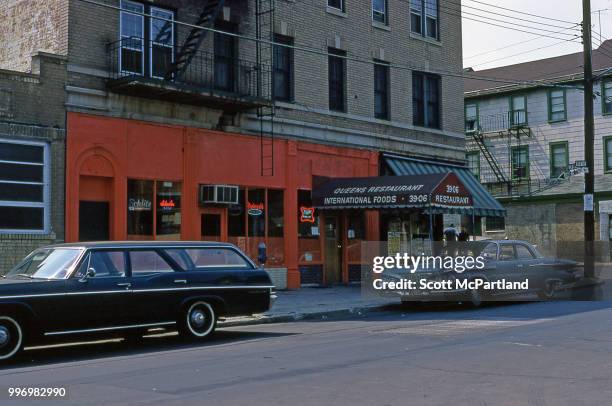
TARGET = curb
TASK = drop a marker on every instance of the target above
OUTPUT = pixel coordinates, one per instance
(294, 317)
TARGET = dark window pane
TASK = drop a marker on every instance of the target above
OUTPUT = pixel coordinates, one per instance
(140, 209)
(131, 61)
(161, 59)
(21, 153)
(283, 69)
(336, 80)
(418, 109)
(168, 210)
(21, 173)
(495, 223)
(276, 213)
(225, 61)
(21, 193)
(21, 218)
(236, 217)
(416, 23)
(381, 91)
(339, 4)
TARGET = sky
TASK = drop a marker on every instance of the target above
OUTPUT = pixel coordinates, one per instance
(482, 42)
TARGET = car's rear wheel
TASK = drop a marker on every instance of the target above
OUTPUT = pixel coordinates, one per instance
(11, 337)
(549, 290)
(198, 321)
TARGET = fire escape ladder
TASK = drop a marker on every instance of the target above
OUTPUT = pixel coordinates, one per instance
(266, 138)
(264, 22)
(190, 47)
(493, 164)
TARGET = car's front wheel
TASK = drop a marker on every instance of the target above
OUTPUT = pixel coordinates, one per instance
(11, 337)
(198, 321)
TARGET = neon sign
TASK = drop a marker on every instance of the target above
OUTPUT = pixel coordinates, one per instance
(167, 204)
(307, 214)
(255, 209)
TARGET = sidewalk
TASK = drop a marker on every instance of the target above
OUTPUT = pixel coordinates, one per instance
(314, 303)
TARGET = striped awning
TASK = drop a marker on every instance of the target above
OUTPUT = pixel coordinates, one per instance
(484, 204)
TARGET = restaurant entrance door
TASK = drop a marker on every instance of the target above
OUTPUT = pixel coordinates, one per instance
(333, 249)
(214, 224)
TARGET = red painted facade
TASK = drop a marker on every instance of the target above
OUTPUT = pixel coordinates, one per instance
(103, 153)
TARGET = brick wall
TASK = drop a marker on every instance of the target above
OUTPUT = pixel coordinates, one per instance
(29, 26)
(32, 109)
(313, 26)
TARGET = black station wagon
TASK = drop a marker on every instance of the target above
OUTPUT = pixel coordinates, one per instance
(127, 288)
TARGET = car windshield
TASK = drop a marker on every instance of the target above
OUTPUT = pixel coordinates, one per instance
(46, 263)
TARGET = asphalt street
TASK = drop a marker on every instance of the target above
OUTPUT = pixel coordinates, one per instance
(556, 353)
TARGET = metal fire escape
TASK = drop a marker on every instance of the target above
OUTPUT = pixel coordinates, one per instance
(263, 72)
(210, 13)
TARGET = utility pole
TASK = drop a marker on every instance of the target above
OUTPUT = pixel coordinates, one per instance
(589, 130)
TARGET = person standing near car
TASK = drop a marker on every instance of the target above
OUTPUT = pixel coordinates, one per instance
(450, 235)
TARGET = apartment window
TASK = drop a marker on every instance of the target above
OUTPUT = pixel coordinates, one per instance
(24, 179)
(559, 158)
(557, 109)
(473, 161)
(424, 18)
(131, 55)
(161, 52)
(379, 11)
(283, 69)
(471, 117)
(495, 223)
(520, 163)
(608, 151)
(337, 4)
(337, 80)
(225, 49)
(158, 37)
(606, 93)
(381, 91)
(518, 110)
(426, 100)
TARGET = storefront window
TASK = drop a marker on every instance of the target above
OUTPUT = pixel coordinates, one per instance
(256, 210)
(355, 235)
(276, 220)
(159, 200)
(168, 208)
(140, 209)
(276, 226)
(309, 243)
(236, 217)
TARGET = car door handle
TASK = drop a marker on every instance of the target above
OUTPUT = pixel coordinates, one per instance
(183, 281)
(124, 285)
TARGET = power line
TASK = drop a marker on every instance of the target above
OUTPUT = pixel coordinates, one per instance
(327, 54)
(508, 22)
(506, 47)
(515, 18)
(522, 12)
(521, 53)
(457, 13)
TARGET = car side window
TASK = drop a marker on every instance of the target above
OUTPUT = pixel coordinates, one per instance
(490, 251)
(522, 252)
(506, 252)
(105, 264)
(204, 258)
(148, 262)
